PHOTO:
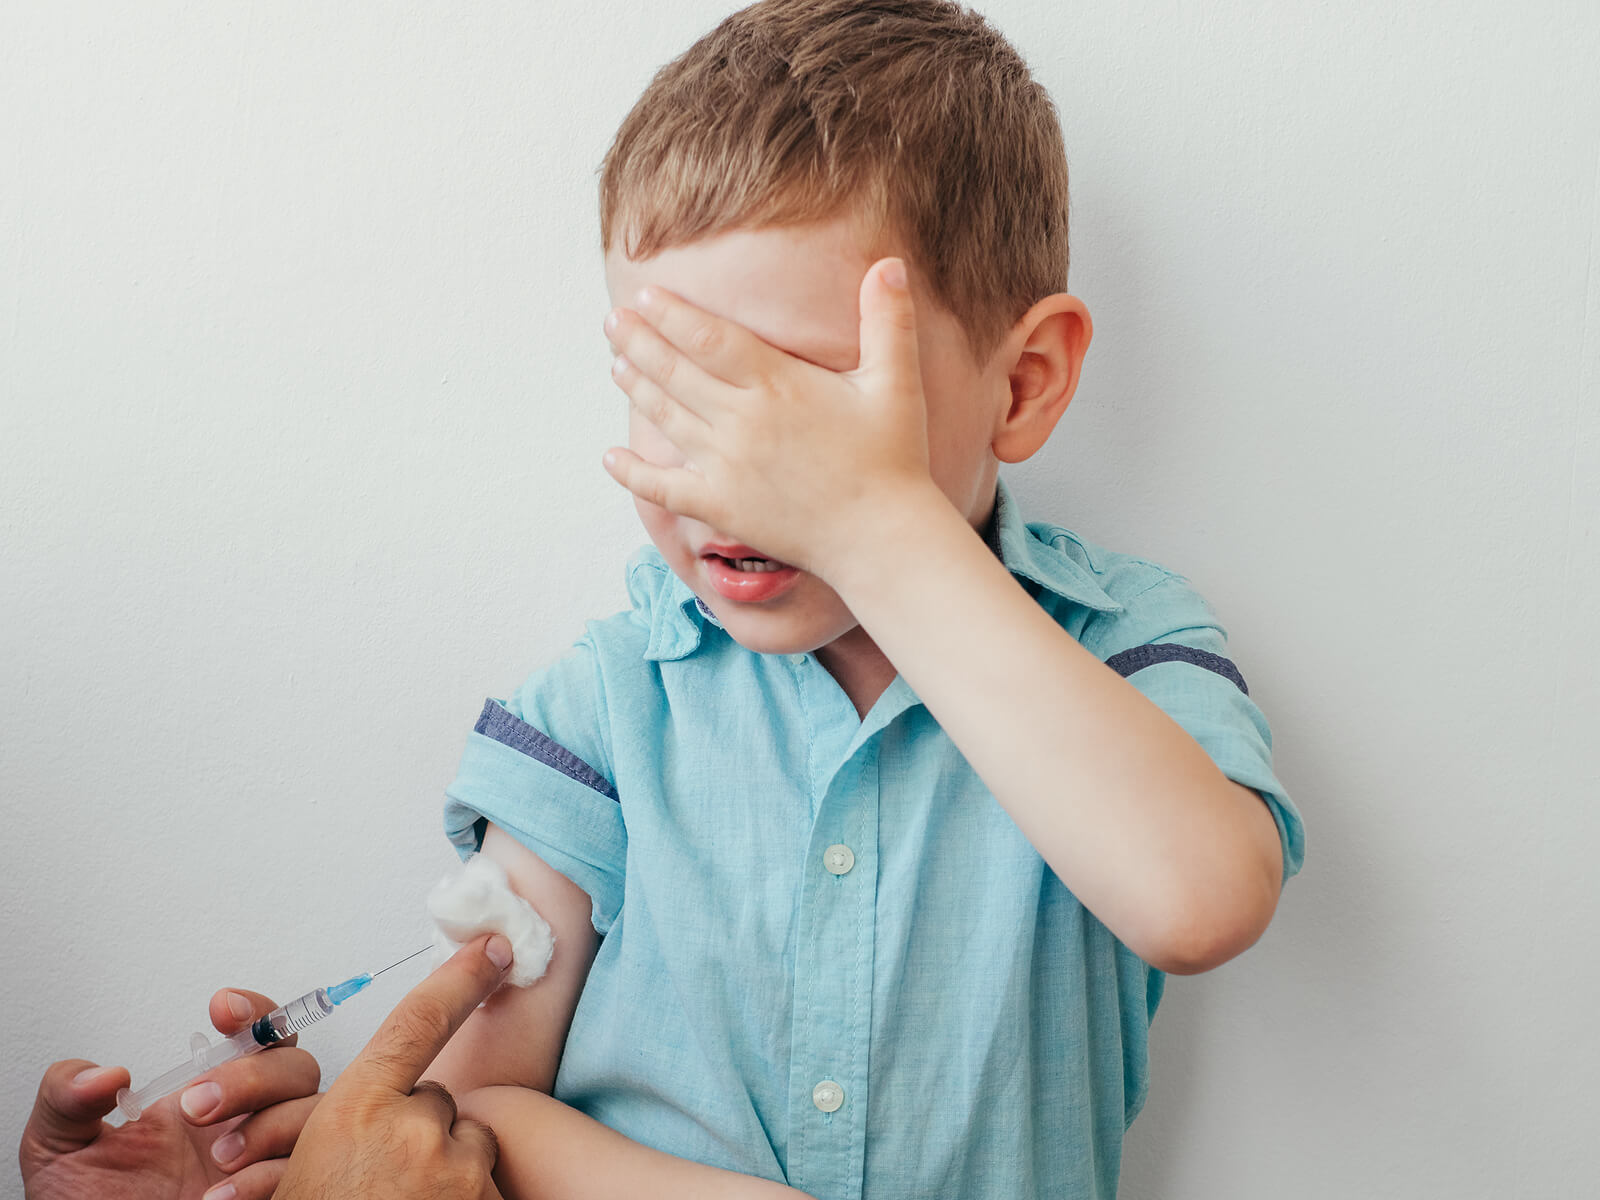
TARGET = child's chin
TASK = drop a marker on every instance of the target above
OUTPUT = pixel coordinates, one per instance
(767, 633)
(767, 641)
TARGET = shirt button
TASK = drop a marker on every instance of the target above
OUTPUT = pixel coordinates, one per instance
(827, 1096)
(838, 859)
(798, 660)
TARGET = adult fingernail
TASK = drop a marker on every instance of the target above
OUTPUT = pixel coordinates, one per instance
(90, 1075)
(226, 1149)
(895, 273)
(240, 1007)
(223, 1191)
(499, 951)
(200, 1099)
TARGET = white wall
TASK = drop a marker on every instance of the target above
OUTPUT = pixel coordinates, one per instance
(304, 392)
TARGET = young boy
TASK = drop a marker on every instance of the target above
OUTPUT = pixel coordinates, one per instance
(867, 859)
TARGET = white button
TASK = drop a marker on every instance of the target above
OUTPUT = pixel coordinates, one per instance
(798, 660)
(827, 1095)
(838, 859)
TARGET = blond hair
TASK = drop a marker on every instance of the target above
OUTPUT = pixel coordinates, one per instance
(912, 115)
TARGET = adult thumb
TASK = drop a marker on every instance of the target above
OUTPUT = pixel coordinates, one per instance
(888, 322)
(73, 1095)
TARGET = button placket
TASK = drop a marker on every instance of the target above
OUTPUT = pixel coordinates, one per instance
(833, 986)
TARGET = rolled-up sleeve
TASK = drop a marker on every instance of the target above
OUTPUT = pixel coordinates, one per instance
(538, 766)
(1168, 643)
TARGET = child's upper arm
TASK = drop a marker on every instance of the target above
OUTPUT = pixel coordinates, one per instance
(517, 1036)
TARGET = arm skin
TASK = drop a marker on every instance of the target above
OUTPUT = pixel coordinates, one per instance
(1179, 862)
(551, 1152)
(501, 1066)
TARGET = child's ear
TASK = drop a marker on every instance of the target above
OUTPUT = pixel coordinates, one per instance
(1046, 348)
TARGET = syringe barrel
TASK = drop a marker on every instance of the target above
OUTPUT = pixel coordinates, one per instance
(299, 1014)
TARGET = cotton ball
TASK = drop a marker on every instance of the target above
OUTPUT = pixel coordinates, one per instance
(477, 899)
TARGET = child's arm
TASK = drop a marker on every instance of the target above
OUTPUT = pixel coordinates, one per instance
(833, 471)
(1177, 860)
(501, 1065)
(517, 1036)
(550, 1150)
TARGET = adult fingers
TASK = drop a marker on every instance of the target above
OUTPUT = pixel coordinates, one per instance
(234, 1008)
(438, 1097)
(258, 1181)
(480, 1149)
(269, 1134)
(250, 1084)
(426, 1018)
(73, 1095)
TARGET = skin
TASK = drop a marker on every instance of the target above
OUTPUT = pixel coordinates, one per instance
(875, 479)
(377, 1132)
(838, 423)
(815, 317)
(67, 1151)
(381, 1133)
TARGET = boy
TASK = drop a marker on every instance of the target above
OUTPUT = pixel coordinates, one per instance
(870, 832)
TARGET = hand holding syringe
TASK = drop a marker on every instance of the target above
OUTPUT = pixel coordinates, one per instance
(277, 1026)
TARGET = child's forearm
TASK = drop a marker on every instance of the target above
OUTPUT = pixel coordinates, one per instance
(551, 1152)
(1182, 864)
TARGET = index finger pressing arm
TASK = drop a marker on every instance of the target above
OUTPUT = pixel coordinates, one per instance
(425, 1019)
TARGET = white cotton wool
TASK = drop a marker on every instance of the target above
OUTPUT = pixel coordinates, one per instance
(477, 899)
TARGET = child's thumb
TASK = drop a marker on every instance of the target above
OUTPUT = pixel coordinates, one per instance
(888, 321)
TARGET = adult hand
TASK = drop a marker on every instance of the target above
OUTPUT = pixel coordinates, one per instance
(183, 1143)
(378, 1132)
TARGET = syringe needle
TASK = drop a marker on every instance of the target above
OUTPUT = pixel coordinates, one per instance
(406, 959)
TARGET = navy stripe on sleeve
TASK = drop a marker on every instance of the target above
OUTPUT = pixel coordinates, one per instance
(495, 722)
(1140, 657)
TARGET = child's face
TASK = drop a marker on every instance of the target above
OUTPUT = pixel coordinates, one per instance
(797, 288)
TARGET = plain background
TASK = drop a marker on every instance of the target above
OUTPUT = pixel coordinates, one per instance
(305, 393)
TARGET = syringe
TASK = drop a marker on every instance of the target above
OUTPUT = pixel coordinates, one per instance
(279, 1024)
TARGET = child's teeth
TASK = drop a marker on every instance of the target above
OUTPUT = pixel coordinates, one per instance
(754, 564)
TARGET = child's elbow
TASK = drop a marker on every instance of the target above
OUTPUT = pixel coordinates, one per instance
(1211, 934)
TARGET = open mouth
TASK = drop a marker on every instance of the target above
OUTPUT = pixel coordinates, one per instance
(756, 565)
(749, 579)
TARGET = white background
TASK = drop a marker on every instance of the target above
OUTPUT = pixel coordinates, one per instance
(304, 394)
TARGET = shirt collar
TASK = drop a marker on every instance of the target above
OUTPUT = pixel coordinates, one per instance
(1031, 552)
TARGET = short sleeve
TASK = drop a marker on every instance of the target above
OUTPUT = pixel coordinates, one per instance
(538, 766)
(1168, 643)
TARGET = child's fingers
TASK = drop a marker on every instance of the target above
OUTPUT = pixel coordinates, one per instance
(668, 367)
(888, 324)
(673, 488)
(683, 428)
(722, 348)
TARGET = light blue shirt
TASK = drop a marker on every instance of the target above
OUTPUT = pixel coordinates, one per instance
(829, 956)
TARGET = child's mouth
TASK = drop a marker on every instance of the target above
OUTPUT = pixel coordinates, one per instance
(749, 580)
(750, 564)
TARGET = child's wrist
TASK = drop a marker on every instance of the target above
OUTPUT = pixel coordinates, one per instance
(890, 523)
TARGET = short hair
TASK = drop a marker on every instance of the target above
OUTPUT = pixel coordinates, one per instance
(914, 115)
